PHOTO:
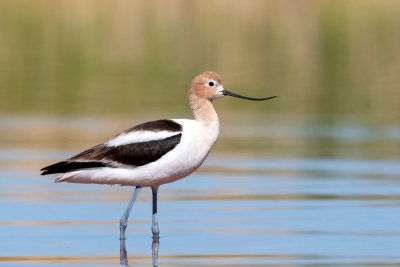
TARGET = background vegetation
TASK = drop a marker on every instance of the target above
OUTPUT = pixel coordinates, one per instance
(128, 58)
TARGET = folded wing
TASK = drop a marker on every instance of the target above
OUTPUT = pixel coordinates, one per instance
(135, 147)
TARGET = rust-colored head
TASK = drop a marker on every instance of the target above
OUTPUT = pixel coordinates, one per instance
(207, 85)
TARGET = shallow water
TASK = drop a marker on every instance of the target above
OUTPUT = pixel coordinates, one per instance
(270, 194)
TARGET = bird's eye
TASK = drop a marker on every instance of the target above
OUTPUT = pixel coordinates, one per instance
(211, 84)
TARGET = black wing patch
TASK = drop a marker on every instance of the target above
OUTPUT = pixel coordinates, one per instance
(136, 154)
(139, 154)
(65, 166)
(157, 126)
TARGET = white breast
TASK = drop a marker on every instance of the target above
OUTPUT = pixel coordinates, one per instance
(185, 158)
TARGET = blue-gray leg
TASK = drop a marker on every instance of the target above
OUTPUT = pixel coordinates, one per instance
(124, 219)
(122, 227)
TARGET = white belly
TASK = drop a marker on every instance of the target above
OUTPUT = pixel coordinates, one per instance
(194, 146)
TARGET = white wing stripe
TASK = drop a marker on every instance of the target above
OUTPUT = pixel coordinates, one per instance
(138, 137)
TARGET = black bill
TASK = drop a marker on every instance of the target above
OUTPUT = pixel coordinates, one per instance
(224, 92)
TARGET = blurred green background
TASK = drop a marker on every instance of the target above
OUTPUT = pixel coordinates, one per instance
(129, 58)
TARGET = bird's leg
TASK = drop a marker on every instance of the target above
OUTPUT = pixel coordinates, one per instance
(122, 227)
(154, 229)
(154, 222)
(124, 219)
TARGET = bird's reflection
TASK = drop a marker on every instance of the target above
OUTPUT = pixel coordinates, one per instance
(122, 252)
(154, 251)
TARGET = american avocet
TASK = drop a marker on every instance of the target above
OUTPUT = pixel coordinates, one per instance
(152, 153)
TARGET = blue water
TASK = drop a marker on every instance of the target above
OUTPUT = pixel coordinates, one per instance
(253, 205)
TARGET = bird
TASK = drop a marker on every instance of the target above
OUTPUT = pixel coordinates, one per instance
(152, 153)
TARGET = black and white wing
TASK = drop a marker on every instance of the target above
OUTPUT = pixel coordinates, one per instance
(137, 146)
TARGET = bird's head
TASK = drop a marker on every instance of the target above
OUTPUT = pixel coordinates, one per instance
(208, 85)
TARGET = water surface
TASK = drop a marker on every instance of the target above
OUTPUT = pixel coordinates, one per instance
(289, 194)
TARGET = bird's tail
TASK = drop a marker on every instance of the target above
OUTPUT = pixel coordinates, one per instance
(67, 166)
